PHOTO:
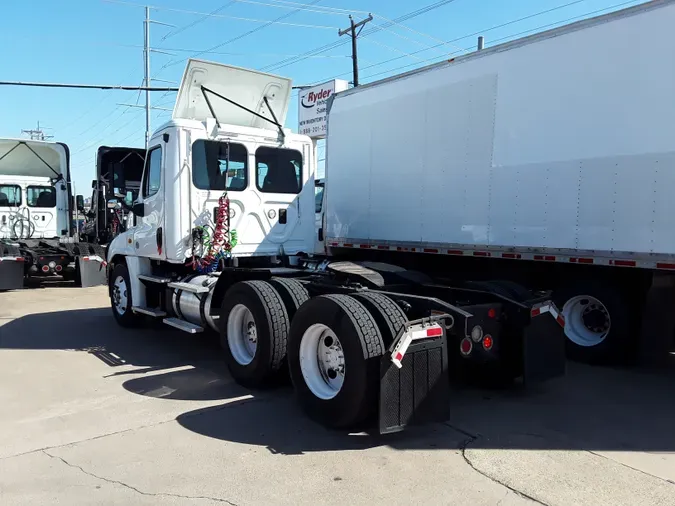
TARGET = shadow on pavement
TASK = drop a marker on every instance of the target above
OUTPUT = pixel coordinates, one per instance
(590, 409)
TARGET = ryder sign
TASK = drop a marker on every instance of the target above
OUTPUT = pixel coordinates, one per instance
(312, 107)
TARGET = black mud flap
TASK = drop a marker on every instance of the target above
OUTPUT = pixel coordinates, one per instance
(11, 274)
(92, 271)
(543, 349)
(418, 392)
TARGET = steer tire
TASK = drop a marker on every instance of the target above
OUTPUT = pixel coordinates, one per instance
(362, 347)
(389, 317)
(271, 323)
(618, 345)
(127, 319)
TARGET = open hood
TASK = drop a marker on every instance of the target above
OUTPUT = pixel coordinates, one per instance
(247, 88)
(20, 157)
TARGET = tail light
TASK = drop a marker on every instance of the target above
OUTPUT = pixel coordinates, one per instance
(488, 342)
(59, 268)
(465, 346)
(45, 268)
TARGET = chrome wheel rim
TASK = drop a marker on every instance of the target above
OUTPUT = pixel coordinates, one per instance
(322, 361)
(119, 295)
(587, 320)
(242, 334)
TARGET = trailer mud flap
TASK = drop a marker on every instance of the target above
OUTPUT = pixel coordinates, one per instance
(11, 273)
(544, 345)
(92, 271)
(414, 383)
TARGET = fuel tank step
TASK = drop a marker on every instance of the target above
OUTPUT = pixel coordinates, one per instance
(183, 325)
(154, 312)
(154, 279)
(188, 287)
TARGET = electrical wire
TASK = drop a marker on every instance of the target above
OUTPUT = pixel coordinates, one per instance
(201, 20)
(508, 37)
(338, 43)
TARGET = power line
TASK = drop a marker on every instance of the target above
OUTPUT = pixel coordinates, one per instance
(236, 18)
(201, 20)
(457, 39)
(536, 29)
(378, 28)
(88, 86)
(241, 36)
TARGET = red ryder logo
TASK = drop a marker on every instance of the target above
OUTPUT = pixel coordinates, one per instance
(311, 99)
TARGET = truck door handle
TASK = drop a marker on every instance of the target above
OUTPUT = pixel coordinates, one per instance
(282, 216)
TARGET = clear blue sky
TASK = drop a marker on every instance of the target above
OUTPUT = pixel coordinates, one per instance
(100, 42)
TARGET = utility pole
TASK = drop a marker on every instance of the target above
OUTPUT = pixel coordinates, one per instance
(354, 34)
(146, 56)
(146, 60)
(37, 134)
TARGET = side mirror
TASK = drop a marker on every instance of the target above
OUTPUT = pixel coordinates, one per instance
(79, 202)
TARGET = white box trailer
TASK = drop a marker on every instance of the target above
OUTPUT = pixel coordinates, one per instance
(553, 149)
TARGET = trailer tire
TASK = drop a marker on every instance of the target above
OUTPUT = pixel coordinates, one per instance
(119, 290)
(253, 354)
(615, 347)
(342, 322)
(292, 292)
(389, 317)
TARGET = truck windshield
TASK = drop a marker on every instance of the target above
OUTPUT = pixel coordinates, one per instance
(41, 196)
(278, 170)
(219, 165)
(10, 195)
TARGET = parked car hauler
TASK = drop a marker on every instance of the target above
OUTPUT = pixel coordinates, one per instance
(38, 234)
(225, 240)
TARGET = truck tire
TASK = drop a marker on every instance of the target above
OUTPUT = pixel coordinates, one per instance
(292, 292)
(389, 317)
(597, 322)
(334, 348)
(254, 328)
(119, 289)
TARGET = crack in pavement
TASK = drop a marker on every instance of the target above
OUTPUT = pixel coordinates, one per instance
(666, 480)
(130, 487)
(132, 429)
(471, 438)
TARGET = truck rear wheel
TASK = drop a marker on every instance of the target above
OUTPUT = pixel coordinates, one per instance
(597, 323)
(121, 297)
(389, 317)
(254, 330)
(292, 292)
(333, 351)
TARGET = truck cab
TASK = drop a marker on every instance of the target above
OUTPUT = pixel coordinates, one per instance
(225, 138)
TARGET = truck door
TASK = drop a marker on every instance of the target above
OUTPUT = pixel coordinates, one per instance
(42, 203)
(148, 234)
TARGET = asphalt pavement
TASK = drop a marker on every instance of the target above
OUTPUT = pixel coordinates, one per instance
(94, 414)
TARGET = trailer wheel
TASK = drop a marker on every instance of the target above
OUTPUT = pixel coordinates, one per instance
(120, 297)
(389, 317)
(597, 322)
(333, 351)
(253, 331)
(292, 292)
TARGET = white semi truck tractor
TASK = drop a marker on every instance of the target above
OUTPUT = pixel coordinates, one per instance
(226, 241)
(38, 236)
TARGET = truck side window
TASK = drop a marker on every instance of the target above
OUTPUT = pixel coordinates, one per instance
(153, 175)
(278, 170)
(41, 196)
(10, 195)
(219, 165)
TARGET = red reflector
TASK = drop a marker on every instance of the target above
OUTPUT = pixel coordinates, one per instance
(624, 263)
(547, 258)
(348, 245)
(434, 332)
(383, 247)
(45, 268)
(63, 258)
(430, 250)
(662, 265)
(536, 312)
(364, 246)
(399, 357)
(455, 252)
(511, 255)
(42, 258)
(561, 321)
(487, 342)
(492, 313)
(465, 346)
(333, 244)
(59, 268)
(481, 253)
(86, 259)
(19, 259)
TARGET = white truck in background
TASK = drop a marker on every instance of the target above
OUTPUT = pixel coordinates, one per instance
(549, 161)
(38, 239)
(226, 240)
